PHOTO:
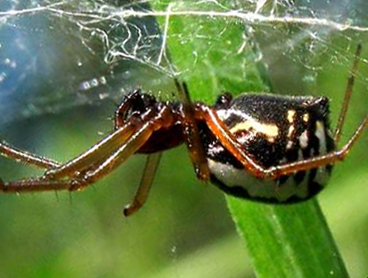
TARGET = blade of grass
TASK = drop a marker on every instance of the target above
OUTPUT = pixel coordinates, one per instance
(288, 241)
(213, 54)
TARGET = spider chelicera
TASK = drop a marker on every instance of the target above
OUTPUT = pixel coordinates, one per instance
(262, 147)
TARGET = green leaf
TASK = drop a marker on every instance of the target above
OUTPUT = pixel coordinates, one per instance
(214, 54)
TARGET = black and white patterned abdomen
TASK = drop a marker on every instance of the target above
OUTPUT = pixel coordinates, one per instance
(273, 130)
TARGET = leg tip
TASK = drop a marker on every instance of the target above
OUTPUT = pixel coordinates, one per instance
(131, 209)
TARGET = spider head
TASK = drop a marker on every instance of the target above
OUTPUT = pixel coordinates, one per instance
(134, 105)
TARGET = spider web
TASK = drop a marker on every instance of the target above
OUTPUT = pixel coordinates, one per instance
(56, 55)
(59, 54)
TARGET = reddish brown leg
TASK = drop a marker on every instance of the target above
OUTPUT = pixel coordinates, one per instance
(51, 179)
(94, 155)
(26, 157)
(137, 140)
(347, 96)
(191, 132)
(97, 153)
(321, 160)
(120, 156)
(33, 185)
(145, 185)
(95, 171)
(229, 142)
(92, 173)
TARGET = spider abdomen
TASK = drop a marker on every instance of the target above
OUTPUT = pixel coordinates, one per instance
(274, 130)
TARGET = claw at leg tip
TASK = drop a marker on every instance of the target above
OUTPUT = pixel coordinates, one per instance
(127, 211)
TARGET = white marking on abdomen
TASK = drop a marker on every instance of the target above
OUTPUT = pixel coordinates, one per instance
(269, 130)
(303, 139)
(255, 187)
(321, 135)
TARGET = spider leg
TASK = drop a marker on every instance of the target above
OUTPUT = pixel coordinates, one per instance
(137, 140)
(26, 157)
(93, 155)
(52, 178)
(228, 140)
(190, 128)
(118, 157)
(96, 170)
(347, 96)
(46, 163)
(33, 185)
(319, 161)
(145, 185)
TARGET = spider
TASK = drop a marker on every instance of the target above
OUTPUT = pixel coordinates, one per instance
(262, 147)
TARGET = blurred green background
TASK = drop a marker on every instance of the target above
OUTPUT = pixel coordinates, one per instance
(184, 230)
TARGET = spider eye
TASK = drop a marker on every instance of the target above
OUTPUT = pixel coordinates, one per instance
(223, 101)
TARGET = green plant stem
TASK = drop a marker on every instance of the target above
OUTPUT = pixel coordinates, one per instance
(288, 241)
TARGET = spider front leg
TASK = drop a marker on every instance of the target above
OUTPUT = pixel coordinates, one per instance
(88, 167)
(74, 178)
(26, 157)
(89, 156)
(69, 176)
(93, 156)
